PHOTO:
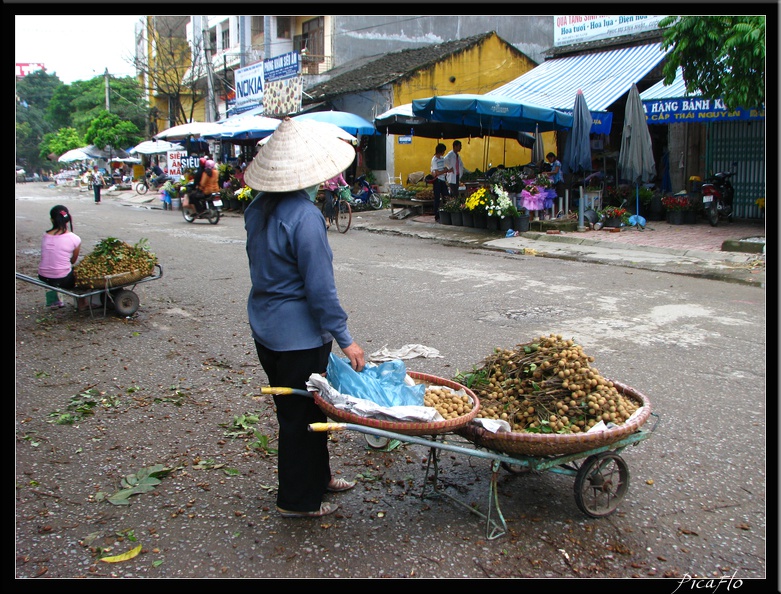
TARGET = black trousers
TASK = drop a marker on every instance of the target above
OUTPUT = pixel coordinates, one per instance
(440, 191)
(303, 465)
(96, 189)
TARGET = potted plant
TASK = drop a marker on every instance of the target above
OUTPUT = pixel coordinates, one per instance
(498, 209)
(521, 220)
(677, 207)
(475, 208)
(452, 210)
(615, 216)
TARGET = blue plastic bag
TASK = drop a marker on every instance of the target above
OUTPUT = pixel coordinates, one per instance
(382, 384)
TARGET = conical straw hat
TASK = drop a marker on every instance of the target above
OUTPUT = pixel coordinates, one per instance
(298, 155)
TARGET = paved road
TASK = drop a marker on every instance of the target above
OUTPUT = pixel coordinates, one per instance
(175, 377)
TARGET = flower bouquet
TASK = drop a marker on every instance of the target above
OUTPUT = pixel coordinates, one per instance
(477, 201)
(244, 193)
(615, 212)
(532, 197)
(499, 203)
(674, 203)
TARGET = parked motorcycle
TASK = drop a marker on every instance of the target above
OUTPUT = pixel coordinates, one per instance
(717, 196)
(142, 187)
(205, 207)
(367, 195)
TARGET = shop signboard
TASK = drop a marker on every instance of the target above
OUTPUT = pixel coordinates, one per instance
(580, 28)
(694, 110)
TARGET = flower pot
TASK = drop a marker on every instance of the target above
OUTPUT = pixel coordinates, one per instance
(176, 204)
(445, 218)
(675, 217)
(481, 220)
(455, 219)
(492, 223)
(234, 204)
(613, 222)
(521, 223)
(468, 218)
(505, 224)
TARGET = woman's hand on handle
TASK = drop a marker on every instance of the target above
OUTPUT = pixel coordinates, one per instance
(356, 356)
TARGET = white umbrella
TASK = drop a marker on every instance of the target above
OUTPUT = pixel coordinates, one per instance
(74, 155)
(184, 131)
(152, 147)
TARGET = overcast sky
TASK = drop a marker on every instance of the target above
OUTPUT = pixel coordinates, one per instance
(76, 47)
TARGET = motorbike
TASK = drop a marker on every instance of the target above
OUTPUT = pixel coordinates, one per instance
(366, 196)
(717, 195)
(206, 207)
(142, 187)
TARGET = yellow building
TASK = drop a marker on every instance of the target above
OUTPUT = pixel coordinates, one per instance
(473, 65)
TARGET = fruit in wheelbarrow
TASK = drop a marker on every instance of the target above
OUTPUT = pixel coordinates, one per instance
(546, 386)
(112, 256)
(448, 403)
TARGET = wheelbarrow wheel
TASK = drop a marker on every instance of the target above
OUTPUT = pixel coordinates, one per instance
(376, 442)
(125, 302)
(601, 483)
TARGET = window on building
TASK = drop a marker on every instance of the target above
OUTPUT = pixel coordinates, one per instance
(257, 26)
(225, 36)
(284, 27)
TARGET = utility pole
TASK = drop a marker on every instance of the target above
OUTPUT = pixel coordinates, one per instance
(211, 103)
(108, 103)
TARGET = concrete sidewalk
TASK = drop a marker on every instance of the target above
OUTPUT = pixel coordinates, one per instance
(693, 250)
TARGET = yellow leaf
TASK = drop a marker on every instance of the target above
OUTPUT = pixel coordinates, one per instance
(124, 556)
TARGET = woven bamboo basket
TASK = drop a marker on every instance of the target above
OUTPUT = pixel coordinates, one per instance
(553, 444)
(115, 280)
(407, 427)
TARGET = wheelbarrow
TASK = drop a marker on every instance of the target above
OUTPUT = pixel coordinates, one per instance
(594, 459)
(116, 290)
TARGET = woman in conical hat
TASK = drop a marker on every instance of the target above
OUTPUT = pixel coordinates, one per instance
(293, 307)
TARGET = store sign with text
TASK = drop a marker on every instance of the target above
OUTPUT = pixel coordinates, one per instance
(579, 28)
(249, 87)
(696, 110)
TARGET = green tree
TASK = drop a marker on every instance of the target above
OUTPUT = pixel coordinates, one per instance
(33, 93)
(721, 56)
(109, 130)
(60, 142)
(87, 100)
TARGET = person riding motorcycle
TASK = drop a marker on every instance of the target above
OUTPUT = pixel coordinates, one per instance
(207, 183)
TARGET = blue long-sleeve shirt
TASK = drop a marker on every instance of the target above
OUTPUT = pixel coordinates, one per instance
(293, 303)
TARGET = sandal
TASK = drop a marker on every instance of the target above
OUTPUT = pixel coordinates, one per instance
(325, 509)
(338, 484)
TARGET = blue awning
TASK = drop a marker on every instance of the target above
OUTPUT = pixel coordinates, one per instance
(673, 104)
(603, 77)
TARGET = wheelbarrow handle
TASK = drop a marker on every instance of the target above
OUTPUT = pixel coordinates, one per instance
(327, 427)
(284, 391)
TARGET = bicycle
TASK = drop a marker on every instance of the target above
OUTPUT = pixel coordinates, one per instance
(342, 211)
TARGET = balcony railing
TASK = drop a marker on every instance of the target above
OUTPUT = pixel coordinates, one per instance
(315, 64)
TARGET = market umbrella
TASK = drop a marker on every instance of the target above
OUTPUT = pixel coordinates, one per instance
(538, 150)
(349, 122)
(401, 121)
(327, 128)
(185, 131)
(152, 147)
(577, 150)
(636, 157)
(74, 155)
(243, 127)
(491, 113)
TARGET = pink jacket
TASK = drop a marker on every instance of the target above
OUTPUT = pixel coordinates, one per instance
(334, 183)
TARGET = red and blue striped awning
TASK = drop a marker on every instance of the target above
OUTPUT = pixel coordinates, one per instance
(603, 77)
